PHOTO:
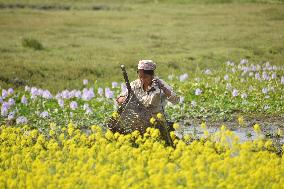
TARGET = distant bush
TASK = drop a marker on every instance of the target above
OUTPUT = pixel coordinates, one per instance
(32, 43)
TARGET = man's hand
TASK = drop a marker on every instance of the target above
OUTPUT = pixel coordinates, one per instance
(120, 99)
(158, 82)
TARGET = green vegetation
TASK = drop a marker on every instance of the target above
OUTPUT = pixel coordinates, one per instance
(91, 43)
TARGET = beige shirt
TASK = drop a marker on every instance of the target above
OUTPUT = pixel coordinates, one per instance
(153, 98)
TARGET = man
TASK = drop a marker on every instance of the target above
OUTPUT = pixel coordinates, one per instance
(149, 89)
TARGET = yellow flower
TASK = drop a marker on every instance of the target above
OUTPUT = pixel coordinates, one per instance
(176, 126)
(152, 120)
(203, 125)
(256, 128)
(160, 116)
(115, 115)
(223, 128)
(241, 120)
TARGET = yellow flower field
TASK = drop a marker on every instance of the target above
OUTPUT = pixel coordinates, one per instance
(70, 158)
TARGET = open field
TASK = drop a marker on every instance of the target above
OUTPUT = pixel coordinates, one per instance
(91, 44)
(60, 74)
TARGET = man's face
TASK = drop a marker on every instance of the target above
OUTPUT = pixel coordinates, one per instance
(145, 78)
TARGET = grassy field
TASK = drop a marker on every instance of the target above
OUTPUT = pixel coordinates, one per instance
(92, 39)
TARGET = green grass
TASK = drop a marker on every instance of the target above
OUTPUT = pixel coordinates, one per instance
(82, 43)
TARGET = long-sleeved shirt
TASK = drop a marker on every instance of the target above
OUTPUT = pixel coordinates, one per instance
(153, 98)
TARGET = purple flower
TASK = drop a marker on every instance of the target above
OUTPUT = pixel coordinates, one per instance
(11, 101)
(4, 93)
(183, 77)
(4, 109)
(109, 93)
(265, 76)
(44, 114)
(85, 82)
(244, 95)
(265, 90)
(46, 94)
(88, 94)
(65, 94)
(114, 84)
(73, 105)
(10, 91)
(100, 91)
(235, 93)
(60, 102)
(193, 103)
(1, 99)
(88, 111)
(78, 94)
(22, 120)
(11, 115)
(273, 76)
(226, 77)
(24, 100)
(282, 80)
(198, 91)
(257, 76)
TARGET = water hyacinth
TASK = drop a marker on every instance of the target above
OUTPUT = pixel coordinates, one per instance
(11, 101)
(4, 93)
(78, 94)
(5, 109)
(257, 76)
(264, 90)
(10, 91)
(114, 84)
(100, 91)
(46, 94)
(22, 120)
(109, 93)
(60, 102)
(65, 94)
(235, 93)
(88, 94)
(44, 114)
(183, 77)
(11, 115)
(1, 99)
(85, 82)
(198, 91)
(226, 77)
(24, 100)
(73, 105)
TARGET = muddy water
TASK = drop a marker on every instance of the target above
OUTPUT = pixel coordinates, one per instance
(270, 129)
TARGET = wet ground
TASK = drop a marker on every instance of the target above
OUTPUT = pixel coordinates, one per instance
(271, 127)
